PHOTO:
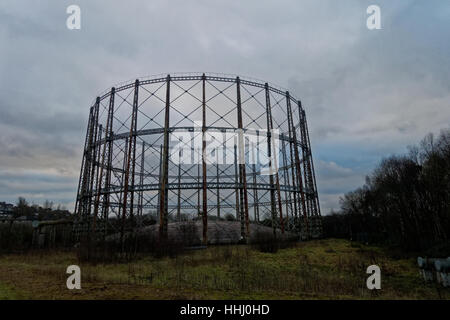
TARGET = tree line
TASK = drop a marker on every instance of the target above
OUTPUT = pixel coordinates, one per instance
(48, 211)
(405, 201)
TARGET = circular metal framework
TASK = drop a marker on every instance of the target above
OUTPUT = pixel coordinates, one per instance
(198, 146)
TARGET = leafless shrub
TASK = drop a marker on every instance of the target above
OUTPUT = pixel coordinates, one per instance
(15, 237)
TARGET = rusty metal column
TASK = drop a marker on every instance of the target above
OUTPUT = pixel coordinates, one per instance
(306, 167)
(131, 146)
(179, 190)
(269, 155)
(315, 223)
(163, 210)
(277, 177)
(292, 166)
(87, 162)
(134, 137)
(79, 201)
(124, 164)
(311, 159)
(94, 154)
(198, 190)
(108, 179)
(99, 148)
(217, 181)
(242, 169)
(277, 180)
(97, 176)
(307, 171)
(258, 156)
(236, 179)
(81, 208)
(287, 195)
(205, 193)
(159, 177)
(255, 189)
(106, 197)
(102, 165)
(98, 153)
(297, 163)
(141, 182)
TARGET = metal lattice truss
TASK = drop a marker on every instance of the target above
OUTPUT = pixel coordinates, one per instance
(196, 147)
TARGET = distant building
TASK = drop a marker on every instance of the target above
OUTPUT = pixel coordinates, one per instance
(6, 208)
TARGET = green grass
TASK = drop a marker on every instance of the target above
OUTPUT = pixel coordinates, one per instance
(7, 293)
(322, 269)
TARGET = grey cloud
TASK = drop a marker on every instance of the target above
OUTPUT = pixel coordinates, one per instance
(372, 91)
(333, 181)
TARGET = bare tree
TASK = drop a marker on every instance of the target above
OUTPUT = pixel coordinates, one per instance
(406, 200)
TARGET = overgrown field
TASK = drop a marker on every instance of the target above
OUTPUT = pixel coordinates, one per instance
(322, 269)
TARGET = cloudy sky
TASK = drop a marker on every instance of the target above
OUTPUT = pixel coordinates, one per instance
(367, 93)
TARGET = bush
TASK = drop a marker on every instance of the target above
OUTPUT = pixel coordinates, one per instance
(268, 242)
(188, 234)
(264, 242)
(16, 236)
(132, 247)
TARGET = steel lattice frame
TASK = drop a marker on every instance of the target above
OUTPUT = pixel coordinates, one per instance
(128, 170)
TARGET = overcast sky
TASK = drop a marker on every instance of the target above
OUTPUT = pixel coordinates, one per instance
(367, 93)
